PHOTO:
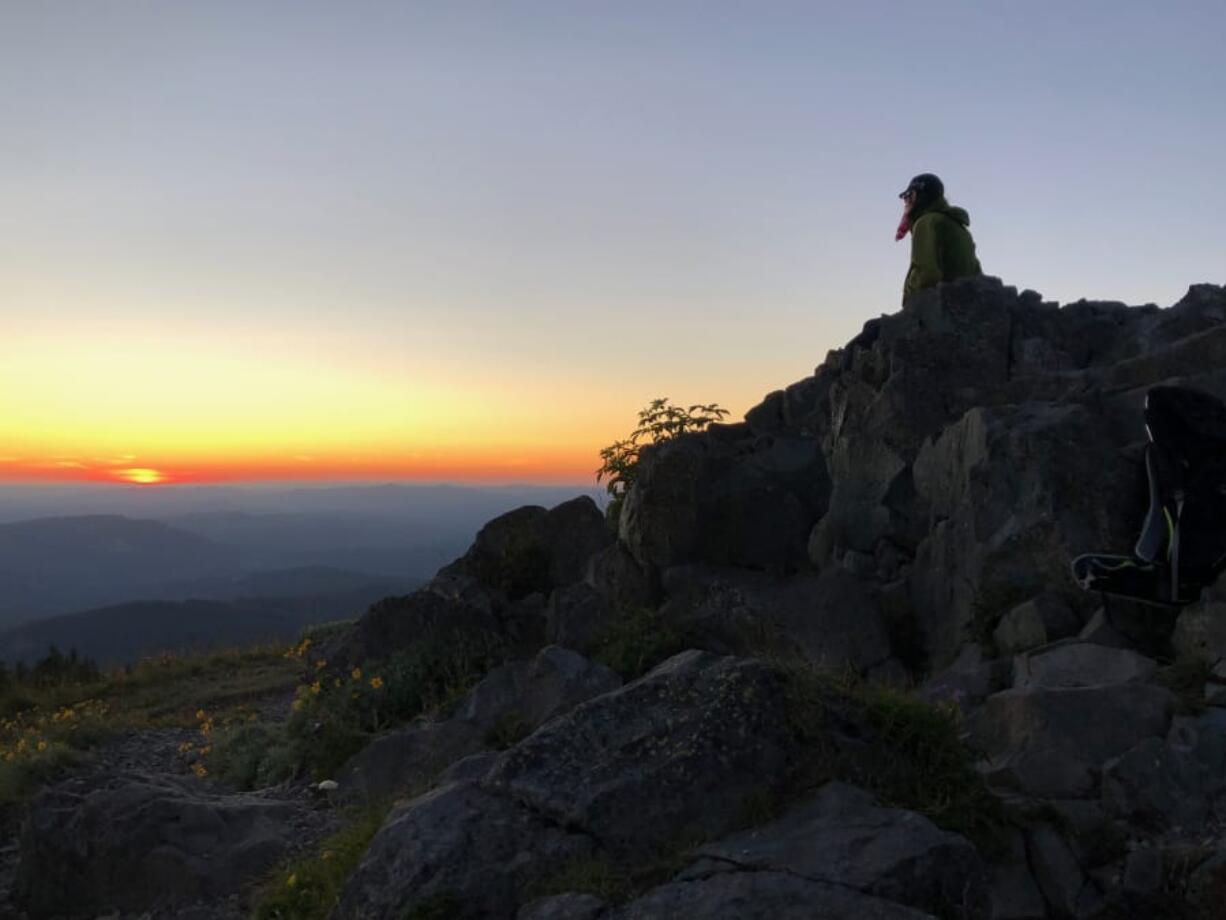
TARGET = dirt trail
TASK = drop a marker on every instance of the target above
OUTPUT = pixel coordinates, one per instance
(156, 751)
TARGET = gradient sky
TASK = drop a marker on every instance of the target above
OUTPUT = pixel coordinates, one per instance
(454, 240)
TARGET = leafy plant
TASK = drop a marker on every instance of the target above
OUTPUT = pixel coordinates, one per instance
(636, 641)
(659, 421)
(309, 888)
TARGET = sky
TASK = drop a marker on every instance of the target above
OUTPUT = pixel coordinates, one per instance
(459, 241)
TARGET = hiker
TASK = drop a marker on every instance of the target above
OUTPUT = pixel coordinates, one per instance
(941, 244)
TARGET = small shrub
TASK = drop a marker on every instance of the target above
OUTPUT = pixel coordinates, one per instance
(636, 641)
(250, 756)
(308, 889)
(659, 421)
(590, 875)
(507, 732)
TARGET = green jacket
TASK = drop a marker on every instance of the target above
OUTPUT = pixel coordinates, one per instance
(941, 248)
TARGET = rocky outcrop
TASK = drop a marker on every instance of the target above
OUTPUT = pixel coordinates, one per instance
(510, 702)
(674, 758)
(959, 453)
(140, 843)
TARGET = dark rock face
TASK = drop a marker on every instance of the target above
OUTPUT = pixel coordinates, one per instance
(533, 550)
(498, 589)
(830, 619)
(672, 754)
(752, 503)
(145, 843)
(967, 447)
(461, 845)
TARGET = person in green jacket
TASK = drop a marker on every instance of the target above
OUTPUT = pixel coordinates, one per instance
(941, 245)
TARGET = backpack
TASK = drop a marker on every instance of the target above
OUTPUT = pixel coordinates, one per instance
(1182, 546)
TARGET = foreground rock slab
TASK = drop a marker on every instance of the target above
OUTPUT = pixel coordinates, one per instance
(146, 844)
(841, 836)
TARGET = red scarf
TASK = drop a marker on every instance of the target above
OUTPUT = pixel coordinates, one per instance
(904, 225)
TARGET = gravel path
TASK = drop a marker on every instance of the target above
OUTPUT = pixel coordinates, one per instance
(155, 752)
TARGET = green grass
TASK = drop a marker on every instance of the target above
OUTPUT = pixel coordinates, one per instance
(45, 729)
(636, 641)
(911, 754)
(309, 888)
(333, 716)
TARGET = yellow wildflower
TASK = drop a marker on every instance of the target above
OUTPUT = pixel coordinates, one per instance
(42, 745)
(376, 683)
(200, 715)
(316, 687)
(336, 682)
(199, 769)
(321, 664)
(184, 747)
(356, 673)
(292, 880)
(204, 751)
(297, 705)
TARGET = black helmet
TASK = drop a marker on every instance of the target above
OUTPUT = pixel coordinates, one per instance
(926, 186)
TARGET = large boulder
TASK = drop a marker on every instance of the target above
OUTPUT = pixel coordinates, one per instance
(842, 836)
(699, 498)
(1053, 742)
(676, 753)
(147, 843)
(531, 550)
(459, 846)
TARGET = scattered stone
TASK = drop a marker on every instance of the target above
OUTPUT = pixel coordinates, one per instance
(1155, 785)
(1081, 664)
(1013, 892)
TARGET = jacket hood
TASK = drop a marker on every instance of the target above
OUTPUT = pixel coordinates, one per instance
(941, 206)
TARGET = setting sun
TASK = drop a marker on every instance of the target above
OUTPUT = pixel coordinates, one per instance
(144, 477)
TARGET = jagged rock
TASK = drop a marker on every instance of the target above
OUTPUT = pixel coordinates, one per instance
(1200, 632)
(512, 700)
(397, 623)
(842, 836)
(1081, 664)
(407, 760)
(829, 618)
(1034, 623)
(984, 436)
(577, 617)
(572, 906)
(1203, 738)
(619, 577)
(531, 550)
(968, 681)
(676, 752)
(1143, 871)
(760, 896)
(1155, 784)
(1055, 869)
(145, 843)
(701, 499)
(1098, 629)
(1050, 742)
(1013, 892)
(458, 845)
(1012, 493)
